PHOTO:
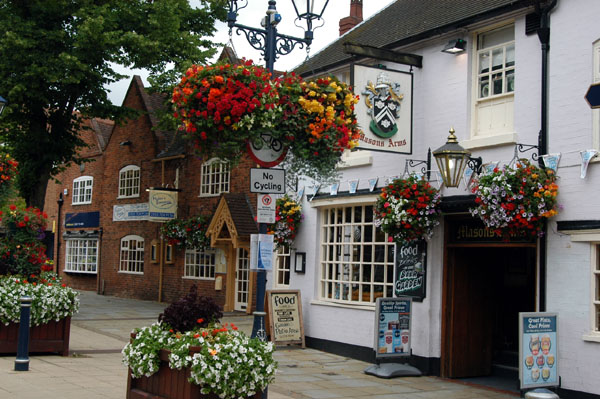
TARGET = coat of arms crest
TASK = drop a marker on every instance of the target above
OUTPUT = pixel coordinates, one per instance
(383, 100)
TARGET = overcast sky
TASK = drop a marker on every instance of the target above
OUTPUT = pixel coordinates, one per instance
(252, 15)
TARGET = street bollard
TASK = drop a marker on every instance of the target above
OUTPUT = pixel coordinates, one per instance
(541, 393)
(22, 360)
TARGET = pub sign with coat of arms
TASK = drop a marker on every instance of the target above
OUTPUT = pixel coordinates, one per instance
(384, 111)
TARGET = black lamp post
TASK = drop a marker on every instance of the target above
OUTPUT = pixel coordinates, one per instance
(272, 45)
(2, 104)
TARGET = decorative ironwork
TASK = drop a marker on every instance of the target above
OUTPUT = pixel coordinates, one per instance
(426, 169)
(257, 38)
(527, 147)
(475, 164)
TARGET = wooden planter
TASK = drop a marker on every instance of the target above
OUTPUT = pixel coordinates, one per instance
(167, 383)
(52, 337)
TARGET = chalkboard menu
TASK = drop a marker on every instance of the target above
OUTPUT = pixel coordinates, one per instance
(411, 270)
(285, 317)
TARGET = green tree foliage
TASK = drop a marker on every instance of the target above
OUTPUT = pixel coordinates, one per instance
(56, 57)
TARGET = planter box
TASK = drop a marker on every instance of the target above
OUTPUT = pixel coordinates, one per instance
(52, 337)
(167, 384)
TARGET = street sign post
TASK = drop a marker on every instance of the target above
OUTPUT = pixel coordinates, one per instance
(593, 96)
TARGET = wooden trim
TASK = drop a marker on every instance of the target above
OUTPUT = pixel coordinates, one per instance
(230, 257)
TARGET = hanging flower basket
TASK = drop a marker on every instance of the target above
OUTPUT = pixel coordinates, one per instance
(408, 209)
(8, 170)
(288, 215)
(221, 108)
(516, 200)
(186, 233)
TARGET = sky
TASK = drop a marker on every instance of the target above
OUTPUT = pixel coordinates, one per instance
(252, 15)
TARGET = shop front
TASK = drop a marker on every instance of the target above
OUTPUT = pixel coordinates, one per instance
(487, 281)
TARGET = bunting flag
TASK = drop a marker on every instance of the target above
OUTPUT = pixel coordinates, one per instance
(300, 194)
(488, 168)
(373, 183)
(317, 186)
(586, 157)
(333, 189)
(352, 186)
(467, 177)
(551, 161)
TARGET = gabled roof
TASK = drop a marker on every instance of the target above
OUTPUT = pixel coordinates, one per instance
(103, 129)
(233, 221)
(407, 21)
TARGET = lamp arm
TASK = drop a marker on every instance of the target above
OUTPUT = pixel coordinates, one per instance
(257, 38)
(475, 164)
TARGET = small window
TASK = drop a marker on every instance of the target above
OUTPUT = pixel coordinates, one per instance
(596, 291)
(81, 256)
(82, 190)
(200, 264)
(154, 251)
(215, 178)
(282, 268)
(129, 182)
(169, 253)
(132, 254)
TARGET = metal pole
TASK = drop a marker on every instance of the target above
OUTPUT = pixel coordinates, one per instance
(22, 360)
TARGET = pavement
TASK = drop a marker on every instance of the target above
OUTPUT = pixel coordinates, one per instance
(100, 330)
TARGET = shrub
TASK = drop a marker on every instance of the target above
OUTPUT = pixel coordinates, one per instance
(190, 312)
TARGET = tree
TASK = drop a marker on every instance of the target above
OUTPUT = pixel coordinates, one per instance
(57, 56)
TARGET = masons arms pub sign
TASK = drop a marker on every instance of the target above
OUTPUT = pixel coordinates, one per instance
(385, 109)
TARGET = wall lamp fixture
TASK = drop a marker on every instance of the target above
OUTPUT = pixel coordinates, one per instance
(455, 46)
(126, 142)
(452, 159)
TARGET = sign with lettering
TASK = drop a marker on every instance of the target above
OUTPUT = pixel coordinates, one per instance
(474, 231)
(411, 270)
(262, 251)
(82, 220)
(267, 181)
(285, 317)
(162, 205)
(392, 327)
(538, 350)
(265, 208)
(129, 212)
(385, 108)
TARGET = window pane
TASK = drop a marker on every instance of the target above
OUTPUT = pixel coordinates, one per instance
(484, 62)
(484, 86)
(497, 59)
(498, 83)
(510, 55)
(510, 81)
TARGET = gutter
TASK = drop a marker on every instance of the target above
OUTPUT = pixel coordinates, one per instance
(544, 36)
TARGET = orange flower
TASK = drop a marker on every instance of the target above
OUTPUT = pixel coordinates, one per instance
(213, 352)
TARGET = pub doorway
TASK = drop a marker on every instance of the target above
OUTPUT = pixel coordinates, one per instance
(486, 286)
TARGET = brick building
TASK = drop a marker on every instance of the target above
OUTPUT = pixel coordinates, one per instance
(105, 240)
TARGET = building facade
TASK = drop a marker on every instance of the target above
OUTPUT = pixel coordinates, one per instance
(106, 242)
(518, 75)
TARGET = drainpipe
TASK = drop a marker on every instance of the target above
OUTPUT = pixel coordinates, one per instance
(544, 36)
(60, 202)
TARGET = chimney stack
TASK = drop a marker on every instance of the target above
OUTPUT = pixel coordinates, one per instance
(355, 18)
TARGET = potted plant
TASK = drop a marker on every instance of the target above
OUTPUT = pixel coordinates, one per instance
(408, 209)
(516, 199)
(52, 306)
(288, 215)
(224, 108)
(187, 233)
(188, 353)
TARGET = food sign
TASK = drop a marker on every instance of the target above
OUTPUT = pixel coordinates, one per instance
(538, 363)
(411, 272)
(285, 317)
(392, 327)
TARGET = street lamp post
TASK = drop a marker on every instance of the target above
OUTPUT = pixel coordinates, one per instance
(272, 44)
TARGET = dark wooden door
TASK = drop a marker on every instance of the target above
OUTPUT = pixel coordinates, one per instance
(469, 325)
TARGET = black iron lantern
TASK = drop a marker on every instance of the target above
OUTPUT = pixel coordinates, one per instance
(452, 159)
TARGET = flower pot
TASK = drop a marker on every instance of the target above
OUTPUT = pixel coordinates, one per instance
(52, 337)
(167, 383)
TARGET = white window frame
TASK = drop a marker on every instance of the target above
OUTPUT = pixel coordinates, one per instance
(82, 190)
(348, 286)
(491, 137)
(596, 79)
(129, 182)
(283, 268)
(81, 255)
(215, 178)
(594, 334)
(131, 260)
(200, 264)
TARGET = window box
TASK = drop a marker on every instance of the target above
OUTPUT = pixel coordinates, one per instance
(167, 383)
(52, 337)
